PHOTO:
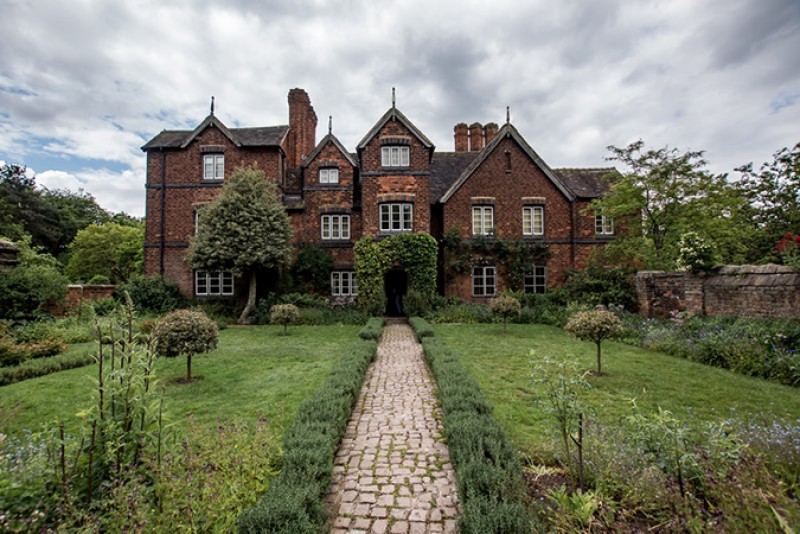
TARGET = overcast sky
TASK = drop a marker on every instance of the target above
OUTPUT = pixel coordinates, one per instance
(83, 84)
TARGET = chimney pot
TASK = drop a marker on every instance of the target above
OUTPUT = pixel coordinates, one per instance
(461, 135)
(476, 141)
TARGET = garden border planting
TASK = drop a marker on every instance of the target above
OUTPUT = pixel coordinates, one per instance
(44, 366)
(294, 502)
(488, 472)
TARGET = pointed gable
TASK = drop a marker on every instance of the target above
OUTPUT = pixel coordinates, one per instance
(506, 132)
(330, 138)
(211, 122)
(395, 114)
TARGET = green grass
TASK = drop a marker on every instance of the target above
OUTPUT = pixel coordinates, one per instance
(693, 392)
(255, 370)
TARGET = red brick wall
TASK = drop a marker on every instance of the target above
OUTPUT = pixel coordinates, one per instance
(413, 180)
(76, 295)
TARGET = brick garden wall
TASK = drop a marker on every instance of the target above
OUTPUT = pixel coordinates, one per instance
(733, 290)
(77, 294)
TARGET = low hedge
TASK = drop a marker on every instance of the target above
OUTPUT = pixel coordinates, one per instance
(373, 329)
(421, 327)
(488, 472)
(294, 502)
(44, 366)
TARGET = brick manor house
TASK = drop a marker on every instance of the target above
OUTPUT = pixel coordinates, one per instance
(492, 186)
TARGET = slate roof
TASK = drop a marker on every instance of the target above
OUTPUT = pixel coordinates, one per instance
(446, 167)
(261, 136)
(585, 183)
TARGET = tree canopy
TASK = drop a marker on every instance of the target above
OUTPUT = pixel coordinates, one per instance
(662, 195)
(246, 229)
(111, 250)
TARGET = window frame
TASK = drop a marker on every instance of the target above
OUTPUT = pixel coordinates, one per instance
(337, 285)
(406, 224)
(603, 225)
(531, 230)
(480, 277)
(403, 153)
(334, 220)
(222, 280)
(326, 173)
(217, 159)
(484, 228)
(538, 280)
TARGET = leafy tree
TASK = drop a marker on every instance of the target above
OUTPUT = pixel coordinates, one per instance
(774, 195)
(109, 249)
(76, 211)
(596, 325)
(311, 270)
(664, 194)
(24, 211)
(244, 230)
(25, 289)
(186, 332)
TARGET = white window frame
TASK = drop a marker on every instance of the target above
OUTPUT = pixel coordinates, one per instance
(213, 166)
(533, 220)
(344, 284)
(535, 279)
(395, 156)
(329, 175)
(484, 281)
(396, 217)
(213, 283)
(603, 225)
(335, 227)
(483, 220)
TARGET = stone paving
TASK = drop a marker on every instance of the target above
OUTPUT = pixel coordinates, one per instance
(392, 472)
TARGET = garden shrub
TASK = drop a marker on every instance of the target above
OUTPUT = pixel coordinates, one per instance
(186, 332)
(600, 285)
(421, 327)
(293, 503)
(284, 314)
(99, 279)
(373, 329)
(596, 326)
(488, 473)
(43, 366)
(505, 307)
(152, 294)
(311, 270)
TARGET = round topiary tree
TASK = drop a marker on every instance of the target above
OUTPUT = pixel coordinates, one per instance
(596, 326)
(186, 332)
(284, 314)
(505, 307)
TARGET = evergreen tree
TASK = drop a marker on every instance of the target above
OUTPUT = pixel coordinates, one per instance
(246, 229)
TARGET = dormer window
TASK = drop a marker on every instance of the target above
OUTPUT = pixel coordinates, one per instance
(213, 166)
(329, 175)
(395, 156)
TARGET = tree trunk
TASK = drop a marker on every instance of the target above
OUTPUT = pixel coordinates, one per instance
(251, 300)
(599, 371)
(188, 367)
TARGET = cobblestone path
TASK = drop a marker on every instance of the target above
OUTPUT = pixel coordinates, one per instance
(392, 471)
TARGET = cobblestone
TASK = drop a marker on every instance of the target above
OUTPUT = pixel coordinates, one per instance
(392, 471)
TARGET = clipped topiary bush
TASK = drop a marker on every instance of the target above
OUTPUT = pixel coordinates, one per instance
(596, 326)
(284, 314)
(373, 329)
(186, 332)
(505, 307)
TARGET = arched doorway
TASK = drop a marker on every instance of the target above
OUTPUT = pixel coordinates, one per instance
(395, 287)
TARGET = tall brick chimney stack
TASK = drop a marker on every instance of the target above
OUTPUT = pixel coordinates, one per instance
(489, 131)
(475, 137)
(302, 127)
(461, 135)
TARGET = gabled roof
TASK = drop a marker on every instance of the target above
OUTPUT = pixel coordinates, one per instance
(507, 131)
(395, 114)
(586, 183)
(262, 136)
(330, 138)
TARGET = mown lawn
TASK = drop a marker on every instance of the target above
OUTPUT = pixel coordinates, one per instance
(254, 371)
(503, 366)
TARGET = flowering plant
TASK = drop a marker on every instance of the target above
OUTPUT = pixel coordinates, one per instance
(789, 250)
(695, 254)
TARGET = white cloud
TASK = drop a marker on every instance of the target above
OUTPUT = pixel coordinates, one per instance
(90, 82)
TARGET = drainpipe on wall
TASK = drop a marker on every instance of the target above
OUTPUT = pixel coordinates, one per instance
(161, 221)
(572, 235)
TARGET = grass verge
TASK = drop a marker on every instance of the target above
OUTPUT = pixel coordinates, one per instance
(488, 472)
(294, 501)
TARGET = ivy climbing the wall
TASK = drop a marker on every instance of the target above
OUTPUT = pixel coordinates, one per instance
(416, 252)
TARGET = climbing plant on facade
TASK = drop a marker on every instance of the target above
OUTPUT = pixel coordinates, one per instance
(416, 252)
